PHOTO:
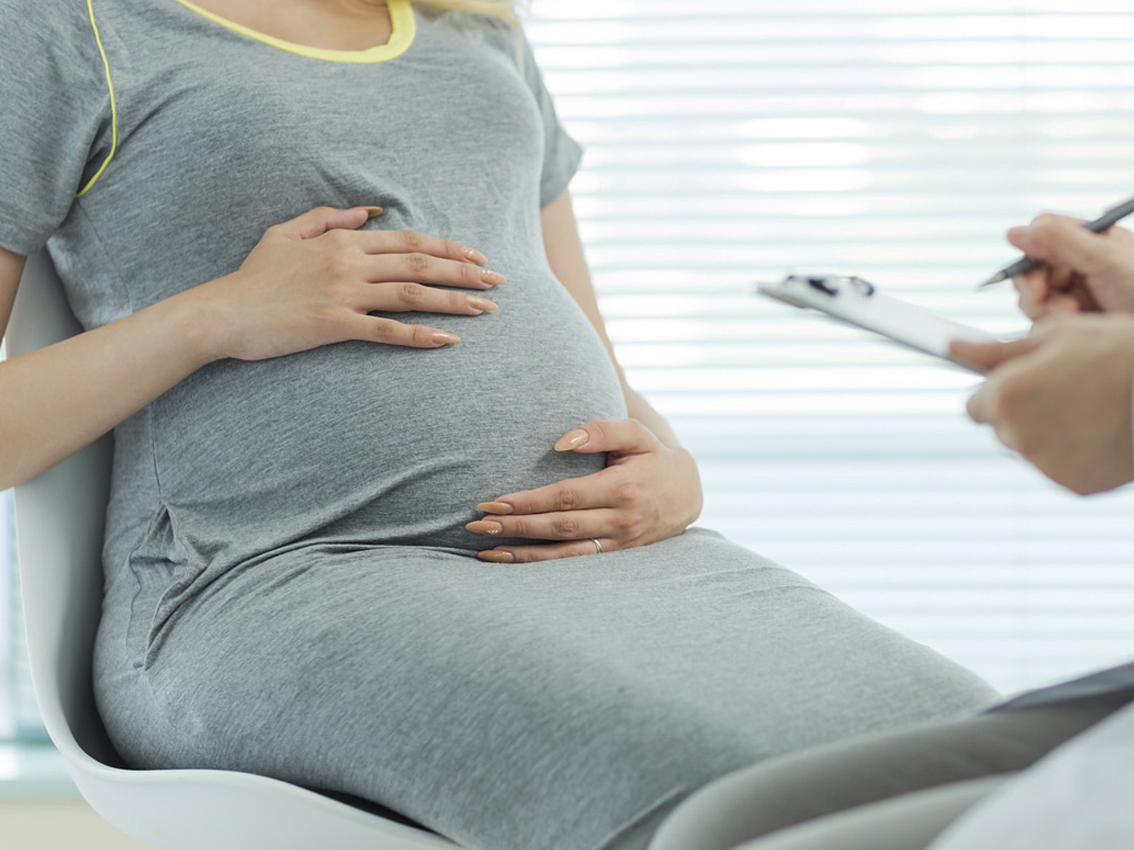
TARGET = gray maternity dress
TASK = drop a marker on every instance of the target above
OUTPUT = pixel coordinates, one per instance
(289, 587)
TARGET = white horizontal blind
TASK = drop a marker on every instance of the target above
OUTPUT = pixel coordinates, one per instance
(731, 141)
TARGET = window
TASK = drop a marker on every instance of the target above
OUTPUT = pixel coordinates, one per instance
(737, 140)
(732, 141)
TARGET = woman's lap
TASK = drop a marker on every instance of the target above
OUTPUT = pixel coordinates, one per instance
(567, 704)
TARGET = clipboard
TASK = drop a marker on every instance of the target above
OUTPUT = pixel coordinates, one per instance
(857, 302)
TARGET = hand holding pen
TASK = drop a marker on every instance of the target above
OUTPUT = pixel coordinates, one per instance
(1099, 225)
(1061, 395)
(1073, 267)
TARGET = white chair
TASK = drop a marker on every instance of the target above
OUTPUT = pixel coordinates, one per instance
(59, 530)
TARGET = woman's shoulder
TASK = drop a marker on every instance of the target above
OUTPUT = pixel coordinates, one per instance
(52, 55)
(62, 35)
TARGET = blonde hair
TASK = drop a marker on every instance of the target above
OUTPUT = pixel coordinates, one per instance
(504, 10)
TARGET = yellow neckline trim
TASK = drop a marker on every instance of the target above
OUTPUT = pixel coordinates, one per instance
(402, 21)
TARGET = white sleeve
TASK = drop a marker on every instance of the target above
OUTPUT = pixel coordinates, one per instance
(1078, 797)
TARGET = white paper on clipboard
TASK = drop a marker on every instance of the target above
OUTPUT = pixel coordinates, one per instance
(856, 302)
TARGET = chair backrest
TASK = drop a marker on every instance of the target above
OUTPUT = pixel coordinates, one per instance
(59, 532)
(59, 517)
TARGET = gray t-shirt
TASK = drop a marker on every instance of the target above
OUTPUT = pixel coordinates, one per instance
(213, 135)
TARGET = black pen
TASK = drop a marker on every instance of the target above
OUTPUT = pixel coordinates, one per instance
(1026, 264)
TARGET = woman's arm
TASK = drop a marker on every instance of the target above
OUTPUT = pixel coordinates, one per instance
(11, 267)
(311, 281)
(56, 400)
(565, 254)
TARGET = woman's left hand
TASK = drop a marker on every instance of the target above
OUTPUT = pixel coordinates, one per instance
(647, 492)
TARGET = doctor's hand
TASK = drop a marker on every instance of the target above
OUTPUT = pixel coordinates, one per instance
(1082, 271)
(316, 280)
(647, 492)
(1061, 397)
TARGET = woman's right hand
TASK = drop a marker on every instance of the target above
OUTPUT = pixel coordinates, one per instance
(315, 279)
(1082, 272)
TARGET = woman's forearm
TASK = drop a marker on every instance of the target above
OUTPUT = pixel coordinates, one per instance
(61, 398)
(312, 280)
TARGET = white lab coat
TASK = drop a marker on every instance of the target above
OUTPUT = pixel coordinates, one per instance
(1079, 797)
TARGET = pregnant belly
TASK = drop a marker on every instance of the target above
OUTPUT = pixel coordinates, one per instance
(372, 444)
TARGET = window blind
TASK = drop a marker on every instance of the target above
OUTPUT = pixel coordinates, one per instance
(732, 141)
(739, 140)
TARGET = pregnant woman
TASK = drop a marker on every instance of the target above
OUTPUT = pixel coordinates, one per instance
(321, 423)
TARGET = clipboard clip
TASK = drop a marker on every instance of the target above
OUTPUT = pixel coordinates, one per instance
(828, 284)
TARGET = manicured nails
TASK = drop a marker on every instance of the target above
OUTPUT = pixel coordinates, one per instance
(496, 557)
(444, 338)
(501, 508)
(484, 527)
(572, 440)
(372, 212)
(475, 256)
(482, 304)
(494, 278)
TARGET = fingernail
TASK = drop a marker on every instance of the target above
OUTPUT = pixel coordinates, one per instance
(502, 508)
(482, 527)
(496, 557)
(481, 303)
(443, 338)
(489, 276)
(475, 255)
(572, 440)
(372, 212)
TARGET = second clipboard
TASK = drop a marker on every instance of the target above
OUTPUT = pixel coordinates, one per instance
(856, 302)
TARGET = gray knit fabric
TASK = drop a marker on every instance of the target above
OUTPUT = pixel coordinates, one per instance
(290, 589)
